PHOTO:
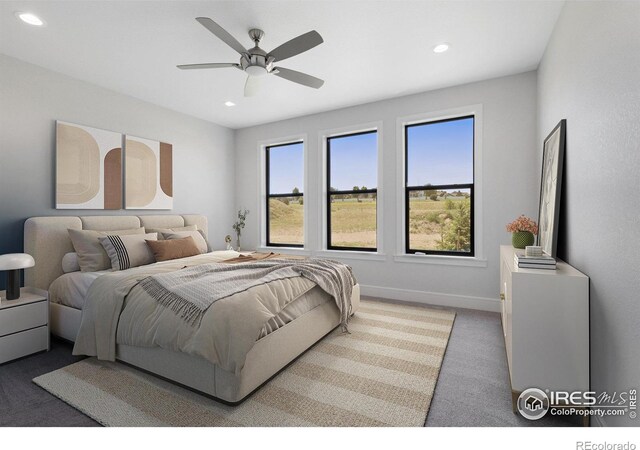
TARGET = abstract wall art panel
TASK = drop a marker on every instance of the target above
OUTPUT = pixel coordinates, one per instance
(88, 167)
(148, 174)
(551, 188)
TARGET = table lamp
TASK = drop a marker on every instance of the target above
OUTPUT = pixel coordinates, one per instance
(12, 263)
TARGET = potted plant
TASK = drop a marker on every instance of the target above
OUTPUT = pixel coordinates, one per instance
(239, 225)
(523, 230)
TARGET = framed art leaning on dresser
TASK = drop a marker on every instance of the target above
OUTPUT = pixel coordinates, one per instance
(551, 188)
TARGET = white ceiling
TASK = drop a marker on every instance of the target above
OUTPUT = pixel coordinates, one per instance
(372, 50)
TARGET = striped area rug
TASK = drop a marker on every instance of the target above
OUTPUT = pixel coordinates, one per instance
(382, 374)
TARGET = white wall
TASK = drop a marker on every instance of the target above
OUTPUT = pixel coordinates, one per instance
(509, 186)
(590, 75)
(32, 98)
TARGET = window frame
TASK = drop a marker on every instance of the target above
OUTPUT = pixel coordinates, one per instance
(471, 186)
(268, 195)
(330, 193)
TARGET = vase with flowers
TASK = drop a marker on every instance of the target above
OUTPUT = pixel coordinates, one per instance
(239, 225)
(522, 230)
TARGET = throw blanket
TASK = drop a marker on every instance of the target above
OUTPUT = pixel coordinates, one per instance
(191, 291)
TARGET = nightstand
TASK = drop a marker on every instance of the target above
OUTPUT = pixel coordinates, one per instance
(24, 324)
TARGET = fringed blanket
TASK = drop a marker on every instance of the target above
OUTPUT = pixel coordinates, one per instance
(191, 291)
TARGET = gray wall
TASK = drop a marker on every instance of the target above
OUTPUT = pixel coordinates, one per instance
(32, 98)
(510, 184)
(590, 75)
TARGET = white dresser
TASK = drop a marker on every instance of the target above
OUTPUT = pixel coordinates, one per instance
(545, 320)
(24, 324)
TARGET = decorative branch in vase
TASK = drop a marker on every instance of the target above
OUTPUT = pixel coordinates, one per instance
(239, 225)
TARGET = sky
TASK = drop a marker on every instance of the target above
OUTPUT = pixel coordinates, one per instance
(287, 168)
(354, 161)
(438, 153)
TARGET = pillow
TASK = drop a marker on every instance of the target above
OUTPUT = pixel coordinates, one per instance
(161, 231)
(206, 241)
(173, 248)
(130, 251)
(70, 262)
(197, 236)
(91, 255)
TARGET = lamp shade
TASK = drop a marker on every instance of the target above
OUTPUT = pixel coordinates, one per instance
(14, 261)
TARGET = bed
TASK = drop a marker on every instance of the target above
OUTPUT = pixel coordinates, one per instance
(302, 323)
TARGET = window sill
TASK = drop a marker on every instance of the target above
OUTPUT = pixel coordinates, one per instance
(443, 260)
(286, 250)
(351, 254)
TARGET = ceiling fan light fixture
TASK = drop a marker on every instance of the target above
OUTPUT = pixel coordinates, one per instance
(441, 48)
(30, 18)
(256, 71)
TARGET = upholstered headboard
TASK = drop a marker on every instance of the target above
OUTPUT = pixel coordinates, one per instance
(47, 239)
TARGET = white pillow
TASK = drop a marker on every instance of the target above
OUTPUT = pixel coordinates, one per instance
(70, 263)
(129, 251)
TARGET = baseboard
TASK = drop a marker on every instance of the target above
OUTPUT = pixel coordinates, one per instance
(432, 298)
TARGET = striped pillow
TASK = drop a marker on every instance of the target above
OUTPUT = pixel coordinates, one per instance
(126, 252)
(91, 256)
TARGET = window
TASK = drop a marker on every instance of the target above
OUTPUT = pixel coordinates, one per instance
(439, 187)
(285, 200)
(352, 179)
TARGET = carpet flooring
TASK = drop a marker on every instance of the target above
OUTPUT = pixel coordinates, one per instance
(472, 388)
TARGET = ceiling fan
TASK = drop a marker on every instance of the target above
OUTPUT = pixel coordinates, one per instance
(256, 62)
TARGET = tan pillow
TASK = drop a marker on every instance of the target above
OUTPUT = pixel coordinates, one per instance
(197, 236)
(91, 255)
(173, 248)
(130, 251)
(161, 231)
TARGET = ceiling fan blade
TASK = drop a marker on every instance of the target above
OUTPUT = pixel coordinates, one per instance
(221, 34)
(298, 77)
(297, 45)
(207, 66)
(251, 86)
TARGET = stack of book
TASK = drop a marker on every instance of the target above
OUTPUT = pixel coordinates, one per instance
(543, 261)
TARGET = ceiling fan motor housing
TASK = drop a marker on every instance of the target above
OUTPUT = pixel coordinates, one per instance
(255, 61)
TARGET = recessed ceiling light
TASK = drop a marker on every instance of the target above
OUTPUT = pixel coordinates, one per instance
(29, 18)
(227, 103)
(441, 48)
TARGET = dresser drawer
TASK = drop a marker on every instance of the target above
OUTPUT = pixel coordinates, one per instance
(25, 343)
(23, 317)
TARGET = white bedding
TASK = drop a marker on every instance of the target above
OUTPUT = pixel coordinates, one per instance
(71, 290)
